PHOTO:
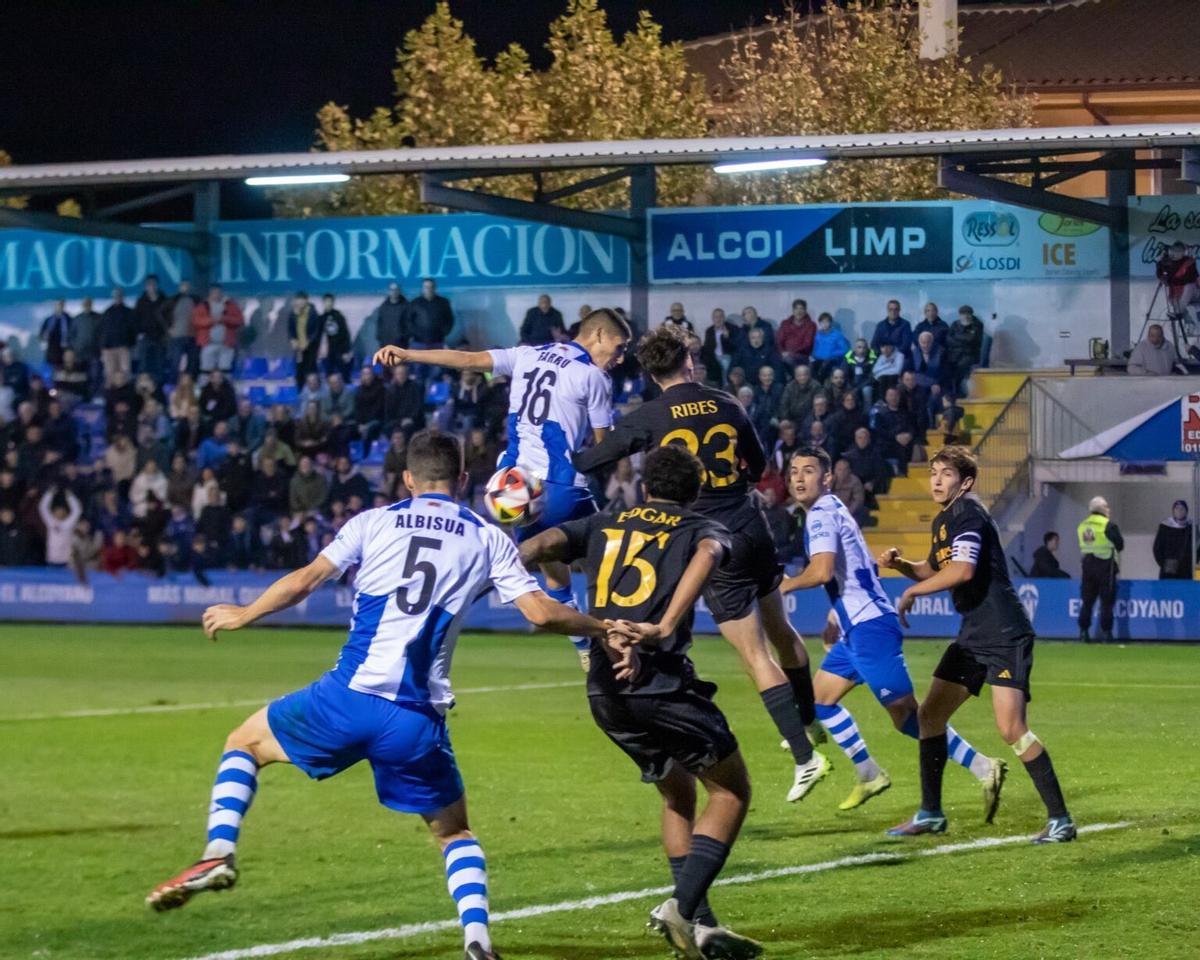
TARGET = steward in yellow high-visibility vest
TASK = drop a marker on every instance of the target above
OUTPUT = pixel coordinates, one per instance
(1100, 542)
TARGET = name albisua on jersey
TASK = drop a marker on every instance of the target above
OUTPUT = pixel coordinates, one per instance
(419, 521)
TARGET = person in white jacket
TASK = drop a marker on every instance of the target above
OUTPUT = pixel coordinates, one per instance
(60, 526)
(150, 479)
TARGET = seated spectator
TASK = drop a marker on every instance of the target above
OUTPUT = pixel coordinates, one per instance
(285, 551)
(934, 325)
(859, 365)
(121, 390)
(59, 431)
(1153, 356)
(312, 431)
(796, 402)
(273, 448)
(395, 462)
(59, 512)
(14, 374)
(118, 556)
(467, 400)
(796, 335)
(236, 476)
(479, 455)
(149, 480)
(964, 346)
(849, 489)
(737, 380)
(785, 532)
(787, 444)
(926, 365)
(896, 430)
(760, 417)
(243, 552)
(347, 482)
(213, 451)
(868, 465)
(14, 539)
(768, 391)
(677, 318)
(542, 324)
(308, 489)
(948, 419)
(155, 422)
(843, 423)
(404, 402)
(836, 387)
(887, 368)
(214, 523)
(120, 457)
(110, 514)
(282, 422)
(217, 323)
(313, 391)
(269, 498)
(816, 436)
(71, 380)
(206, 488)
(751, 321)
(338, 398)
(181, 527)
(772, 480)
(1045, 561)
(183, 399)
(721, 343)
(829, 347)
(201, 558)
(247, 426)
(759, 351)
(180, 482)
(819, 413)
(87, 546)
(622, 491)
(217, 399)
(12, 491)
(893, 329)
(368, 405)
(150, 527)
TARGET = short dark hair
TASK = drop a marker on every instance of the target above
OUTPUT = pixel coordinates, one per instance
(435, 457)
(798, 300)
(663, 352)
(1048, 536)
(672, 473)
(609, 320)
(961, 459)
(302, 294)
(817, 454)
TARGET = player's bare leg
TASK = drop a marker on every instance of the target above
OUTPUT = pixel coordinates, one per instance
(558, 586)
(749, 640)
(1009, 706)
(793, 659)
(247, 749)
(933, 714)
(466, 876)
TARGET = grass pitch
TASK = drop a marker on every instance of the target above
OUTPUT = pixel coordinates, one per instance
(96, 809)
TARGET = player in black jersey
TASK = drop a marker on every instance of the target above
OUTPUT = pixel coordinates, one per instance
(647, 566)
(994, 645)
(743, 595)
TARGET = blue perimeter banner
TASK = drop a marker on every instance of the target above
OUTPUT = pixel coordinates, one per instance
(935, 239)
(1146, 609)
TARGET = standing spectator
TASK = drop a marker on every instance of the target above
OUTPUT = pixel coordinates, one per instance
(14, 540)
(395, 462)
(1153, 356)
(236, 476)
(893, 329)
(797, 335)
(621, 492)
(431, 323)
(391, 319)
(677, 318)
(829, 347)
(153, 326)
(934, 324)
(849, 489)
(182, 353)
(217, 399)
(149, 480)
(916, 400)
(87, 546)
(368, 405)
(751, 320)
(183, 399)
(896, 430)
(338, 350)
(118, 332)
(307, 490)
(479, 461)
(1173, 550)
(59, 516)
(887, 368)
(85, 341)
(285, 551)
(243, 552)
(759, 351)
(721, 343)
(1045, 561)
(1100, 541)
(217, 322)
(404, 402)
(304, 335)
(71, 380)
(214, 522)
(338, 399)
(180, 482)
(542, 324)
(1176, 270)
(926, 365)
(56, 333)
(964, 345)
(14, 374)
(247, 426)
(796, 402)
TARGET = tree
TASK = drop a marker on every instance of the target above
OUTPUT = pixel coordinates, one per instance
(15, 202)
(854, 70)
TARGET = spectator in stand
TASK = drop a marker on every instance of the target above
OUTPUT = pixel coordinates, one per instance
(859, 365)
(304, 335)
(395, 462)
(772, 480)
(190, 433)
(677, 318)
(214, 523)
(926, 365)
(843, 423)
(312, 431)
(391, 319)
(215, 448)
(121, 458)
(759, 351)
(248, 426)
(149, 480)
(182, 352)
(934, 324)
(622, 490)
(217, 323)
(760, 417)
(849, 489)
(887, 368)
(769, 392)
(183, 399)
(867, 464)
(479, 458)
(818, 413)
(896, 430)
(751, 320)
(313, 391)
(118, 556)
(284, 425)
(60, 511)
(737, 380)
(431, 323)
(236, 476)
(243, 552)
(206, 488)
(404, 402)
(542, 324)
(338, 399)
(468, 400)
(893, 329)
(347, 483)
(339, 352)
(1045, 561)
(56, 333)
(721, 344)
(269, 499)
(964, 346)
(787, 444)
(796, 402)
(85, 341)
(783, 527)
(87, 547)
(284, 552)
(1173, 549)
(217, 399)
(71, 381)
(274, 448)
(14, 374)
(118, 332)
(200, 559)
(308, 489)
(1176, 270)
(916, 400)
(835, 388)
(14, 539)
(180, 482)
(59, 431)
(796, 335)
(1153, 356)
(153, 325)
(12, 490)
(369, 405)
(829, 347)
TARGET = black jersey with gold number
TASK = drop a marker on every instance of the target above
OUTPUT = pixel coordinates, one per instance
(992, 614)
(634, 561)
(712, 425)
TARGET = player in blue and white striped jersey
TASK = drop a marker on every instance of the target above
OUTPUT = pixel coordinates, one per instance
(560, 396)
(869, 650)
(421, 564)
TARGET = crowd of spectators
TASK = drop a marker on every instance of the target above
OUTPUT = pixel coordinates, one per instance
(145, 442)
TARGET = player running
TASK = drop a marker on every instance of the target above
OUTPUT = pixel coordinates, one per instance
(994, 645)
(556, 392)
(869, 650)
(743, 595)
(650, 564)
(422, 563)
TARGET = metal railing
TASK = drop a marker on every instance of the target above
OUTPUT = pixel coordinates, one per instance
(1003, 452)
(1055, 426)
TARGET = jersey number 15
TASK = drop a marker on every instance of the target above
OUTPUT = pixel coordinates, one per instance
(615, 540)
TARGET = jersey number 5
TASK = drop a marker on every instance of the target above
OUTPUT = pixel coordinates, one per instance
(720, 443)
(535, 402)
(614, 541)
(413, 564)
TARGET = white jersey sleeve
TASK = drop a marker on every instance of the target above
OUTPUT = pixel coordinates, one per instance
(855, 590)
(822, 529)
(503, 361)
(508, 574)
(347, 547)
(599, 400)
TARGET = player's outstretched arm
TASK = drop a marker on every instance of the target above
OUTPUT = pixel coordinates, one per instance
(708, 556)
(890, 559)
(547, 547)
(547, 613)
(285, 592)
(457, 359)
(953, 574)
(818, 573)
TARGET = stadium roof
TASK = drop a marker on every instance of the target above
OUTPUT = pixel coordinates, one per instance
(518, 158)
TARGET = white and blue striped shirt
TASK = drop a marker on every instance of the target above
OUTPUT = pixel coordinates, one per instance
(855, 591)
(422, 563)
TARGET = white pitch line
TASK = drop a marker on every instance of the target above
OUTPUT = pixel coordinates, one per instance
(590, 903)
(257, 702)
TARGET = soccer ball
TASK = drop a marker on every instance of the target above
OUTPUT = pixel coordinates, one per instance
(513, 496)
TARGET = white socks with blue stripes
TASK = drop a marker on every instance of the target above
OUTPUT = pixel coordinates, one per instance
(232, 794)
(466, 878)
(838, 721)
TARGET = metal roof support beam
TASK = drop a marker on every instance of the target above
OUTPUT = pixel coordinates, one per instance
(1120, 185)
(643, 194)
(580, 186)
(160, 196)
(156, 236)
(988, 188)
(206, 211)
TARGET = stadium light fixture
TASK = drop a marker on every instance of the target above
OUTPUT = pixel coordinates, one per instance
(756, 166)
(297, 179)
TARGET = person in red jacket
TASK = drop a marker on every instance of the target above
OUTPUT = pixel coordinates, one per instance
(1177, 272)
(118, 556)
(217, 323)
(796, 333)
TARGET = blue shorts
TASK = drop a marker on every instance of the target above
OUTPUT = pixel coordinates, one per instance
(872, 653)
(326, 727)
(563, 502)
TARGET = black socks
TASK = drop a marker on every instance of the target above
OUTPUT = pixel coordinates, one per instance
(781, 705)
(697, 872)
(802, 689)
(1041, 771)
(933, 763)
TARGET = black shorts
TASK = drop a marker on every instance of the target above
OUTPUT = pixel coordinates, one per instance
(685, 727)
(972, 667)
(751, 571)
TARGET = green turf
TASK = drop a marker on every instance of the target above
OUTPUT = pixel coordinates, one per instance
(94, 811)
